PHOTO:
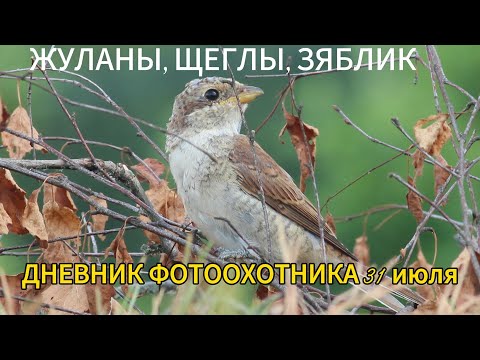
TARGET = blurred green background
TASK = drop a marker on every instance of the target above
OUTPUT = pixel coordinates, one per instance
(369, 98)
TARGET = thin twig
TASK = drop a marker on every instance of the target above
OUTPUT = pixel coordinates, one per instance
(7, 75)
(425, 198)
(387, 207)
(75, 126)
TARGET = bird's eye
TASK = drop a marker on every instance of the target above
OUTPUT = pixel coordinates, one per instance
(212, 94)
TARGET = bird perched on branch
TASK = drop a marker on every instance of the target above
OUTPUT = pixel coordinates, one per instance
(236, 193)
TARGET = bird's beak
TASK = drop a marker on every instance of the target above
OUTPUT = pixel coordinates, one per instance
(249, 93)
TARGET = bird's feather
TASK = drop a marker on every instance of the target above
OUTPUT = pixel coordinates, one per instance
(281, 192)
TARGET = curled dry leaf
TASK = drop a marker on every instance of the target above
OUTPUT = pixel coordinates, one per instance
(71, 297)
(164, 200)
(20, 122)
(460, 298)
(10, 285)
(418, 162)
(362, 250)
(99, 220)
(470, 286)
(59, 214)
(167, 203)
(414, 202)
(4, 115)
(331, 223)
(120, 251)
(441, 175)
(305, 152)
(60, 221)
(144, 173)
(427, 291)
(152, 238)
(99, 298)
(433, 137)
(12, 197)
(33, 221)
(61, 196)
(5, 220)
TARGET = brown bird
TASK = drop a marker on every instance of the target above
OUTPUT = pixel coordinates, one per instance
(219, 175)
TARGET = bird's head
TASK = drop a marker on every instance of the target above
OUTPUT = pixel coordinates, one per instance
(210, 104)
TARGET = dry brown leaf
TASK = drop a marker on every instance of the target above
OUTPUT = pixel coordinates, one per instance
(362, 250)
(152, 238)
(60, 222)
(264, 291)
(32, 220)
(441, 175)
(61, 196)
(433, 137)
(167, 203)
(158, 196)
(414, 202)
(175, 210)
(4, 115)
(461, 298)
(305, 152)
(164, 200)
(20, 122)
(99, 298)
(12, 197)
(5, 220)
(145, 173)
(470, 285)
(11, 286)
(427, 291)
(59, 214)
(418, 162)
(99, 220)
(119, 249)
(71, 297)
(331, 223)
(58, 252)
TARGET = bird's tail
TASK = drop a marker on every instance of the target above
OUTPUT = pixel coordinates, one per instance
(390, 293)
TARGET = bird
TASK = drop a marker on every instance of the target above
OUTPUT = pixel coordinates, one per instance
(235, 193)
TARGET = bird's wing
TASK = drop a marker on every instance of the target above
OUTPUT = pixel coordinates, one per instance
(280, 191)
